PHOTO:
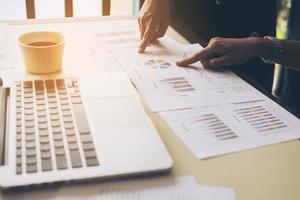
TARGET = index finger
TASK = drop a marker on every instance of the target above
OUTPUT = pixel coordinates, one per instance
(147, 37)
(194, 58)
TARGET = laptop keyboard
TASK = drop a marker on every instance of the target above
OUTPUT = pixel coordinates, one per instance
(52, 130)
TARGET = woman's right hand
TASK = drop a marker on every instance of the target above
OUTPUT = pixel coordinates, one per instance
(229, 51)
(154, 19)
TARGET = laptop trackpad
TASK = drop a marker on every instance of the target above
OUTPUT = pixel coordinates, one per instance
(106, 84)
(116, 113)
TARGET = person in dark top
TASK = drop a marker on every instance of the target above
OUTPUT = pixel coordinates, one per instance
(233, 51)
(211, 18)
(288, 86)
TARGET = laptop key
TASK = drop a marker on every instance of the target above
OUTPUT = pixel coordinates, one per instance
(30, 160)
(92, 162)
(45, 147)
(70, 132)
(57, 137)
(68, 120)
(30, 138)
(90, 154)
(54, 117)
(19, 153)
(53, 111)
(18, 170)
(46, 165)
(58, 144)
(29, 131)
(30, 153)
(71, 139)
(86, 138)
(30, 145)
(55, 124)
(42, 120)
(43, 126)
(19, 137)
(75, 159)
(81, 118)
(61, 162)
(19, 161)
(88, 146)
(73, 146)
(29, 117)
(69, 126)
(43, 133)
(45, 155)
(19, 145)
(41, 108)
(44, 140)
(31, 168)
(27, 84)
(60, 84)
(29, 124)
(76, 100)
(60, 151)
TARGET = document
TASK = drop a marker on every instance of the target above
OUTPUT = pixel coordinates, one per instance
(184, 188)
(217, 130)
(165, 86)
(147, 188)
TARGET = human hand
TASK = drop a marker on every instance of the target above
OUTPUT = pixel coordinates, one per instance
(224, 52)
(154, 19)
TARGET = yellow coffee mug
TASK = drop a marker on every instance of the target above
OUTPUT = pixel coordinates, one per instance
(42, 51)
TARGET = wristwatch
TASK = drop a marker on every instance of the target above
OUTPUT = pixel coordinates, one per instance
(276, 52)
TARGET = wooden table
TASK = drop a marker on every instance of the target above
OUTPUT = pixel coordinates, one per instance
(268, 173)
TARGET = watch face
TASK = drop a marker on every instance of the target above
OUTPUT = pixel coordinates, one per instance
(277, 50)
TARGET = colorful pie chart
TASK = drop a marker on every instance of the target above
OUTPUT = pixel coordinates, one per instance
(157, 64)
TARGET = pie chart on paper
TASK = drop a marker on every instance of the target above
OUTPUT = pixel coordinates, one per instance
(157, 64)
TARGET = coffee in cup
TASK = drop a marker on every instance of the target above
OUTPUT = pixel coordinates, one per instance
(42, 51)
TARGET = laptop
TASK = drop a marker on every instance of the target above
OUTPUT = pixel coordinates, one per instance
(57, 128)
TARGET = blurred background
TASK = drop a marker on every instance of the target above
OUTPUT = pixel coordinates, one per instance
(16, 9)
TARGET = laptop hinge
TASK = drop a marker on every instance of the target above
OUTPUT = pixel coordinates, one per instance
(4, 95)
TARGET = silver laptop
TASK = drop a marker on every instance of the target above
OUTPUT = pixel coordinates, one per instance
(69, 128)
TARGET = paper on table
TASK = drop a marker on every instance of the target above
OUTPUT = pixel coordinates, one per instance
(132, 189)
(148, 189)
(166, 86)
(218, 130)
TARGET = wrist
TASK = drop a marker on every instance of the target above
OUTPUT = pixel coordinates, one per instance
(262, 47)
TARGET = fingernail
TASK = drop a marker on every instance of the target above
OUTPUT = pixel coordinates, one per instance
(141, 50)
(180, 63)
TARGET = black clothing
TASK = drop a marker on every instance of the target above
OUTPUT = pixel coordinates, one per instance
(229, 18)
(288, 88)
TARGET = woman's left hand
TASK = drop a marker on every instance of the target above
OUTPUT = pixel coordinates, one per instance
(223, 52)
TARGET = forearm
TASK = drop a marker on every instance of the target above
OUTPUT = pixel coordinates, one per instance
(290, 55)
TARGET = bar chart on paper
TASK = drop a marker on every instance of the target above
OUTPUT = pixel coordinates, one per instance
(211, 125)
(260, 119)
(178, 85)
(217, 130)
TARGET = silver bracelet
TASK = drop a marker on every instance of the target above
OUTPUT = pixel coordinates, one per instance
(277, 50)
